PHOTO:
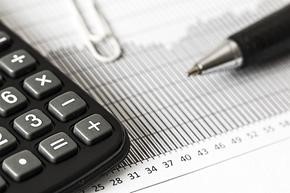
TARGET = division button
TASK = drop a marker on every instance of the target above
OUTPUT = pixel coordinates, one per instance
(57, 147)
(42, 84)
(32, 124)
(7, 141)
(17, 63)
(21, 165)
(92, 129)
(67, 106)
(11, 100)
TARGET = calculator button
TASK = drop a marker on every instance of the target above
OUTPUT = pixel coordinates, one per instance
(3, 184)
(92, 129)
(57, 147)
(67, 106)
(7, 141)
(5, 40)
(32, 124)
(17, 63)
(42, 84)
(21, 165)
(11, 100)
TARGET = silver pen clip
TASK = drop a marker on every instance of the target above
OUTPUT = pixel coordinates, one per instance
(104, 44)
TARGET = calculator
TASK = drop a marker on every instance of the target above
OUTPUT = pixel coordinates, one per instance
(54, 137)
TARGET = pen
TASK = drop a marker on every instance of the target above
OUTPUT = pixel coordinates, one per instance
(262, 41)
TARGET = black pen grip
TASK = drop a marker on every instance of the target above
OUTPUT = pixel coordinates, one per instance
(267, 39)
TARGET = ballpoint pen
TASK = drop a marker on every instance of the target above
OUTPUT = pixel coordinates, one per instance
(262, 41)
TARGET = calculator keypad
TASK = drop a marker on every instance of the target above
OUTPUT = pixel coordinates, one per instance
(67, 106)
(42, 84)
(17, 63)
(32, 124)
(21, 165)
(57, 147)
(11, 101)
(35, 123)
(47, 124)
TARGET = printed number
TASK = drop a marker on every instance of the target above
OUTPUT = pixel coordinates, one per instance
(202, 152)
(185, 157)
(219, 146)
(35, 122)
(252, 134)
(269, 129)
(98, 187)
(133, 175)
(150, 170)
(8, 97)
(116, 181)
(167, 163)
(2, 141)
(285, 123)
(236, 140)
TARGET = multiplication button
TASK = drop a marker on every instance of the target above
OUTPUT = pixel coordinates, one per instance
(67, 106)
(21, 165)
(92, 129)
(57, 147)
(17, 63)
(42, 84)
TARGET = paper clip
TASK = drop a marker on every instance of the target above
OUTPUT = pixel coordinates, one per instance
(98, 31)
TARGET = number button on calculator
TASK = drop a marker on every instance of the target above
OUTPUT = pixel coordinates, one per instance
(32, 124)
(7, 141)
(11, 100)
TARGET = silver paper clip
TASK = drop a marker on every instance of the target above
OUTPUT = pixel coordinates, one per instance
(98, 31)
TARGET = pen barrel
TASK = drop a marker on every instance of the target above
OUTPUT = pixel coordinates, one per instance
(267, 39)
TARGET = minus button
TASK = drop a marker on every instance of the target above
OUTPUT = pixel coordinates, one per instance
(67, 106)
(68, 102)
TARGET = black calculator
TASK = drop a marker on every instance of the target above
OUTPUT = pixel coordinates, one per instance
(54, 137)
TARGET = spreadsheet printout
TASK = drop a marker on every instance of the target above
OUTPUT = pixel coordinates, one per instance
(222, 132)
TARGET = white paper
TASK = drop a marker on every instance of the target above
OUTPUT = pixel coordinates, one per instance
(167, 114)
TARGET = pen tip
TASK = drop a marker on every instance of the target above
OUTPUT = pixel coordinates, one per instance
(195, 70)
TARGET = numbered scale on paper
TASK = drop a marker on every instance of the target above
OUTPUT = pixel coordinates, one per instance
(194, 157)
